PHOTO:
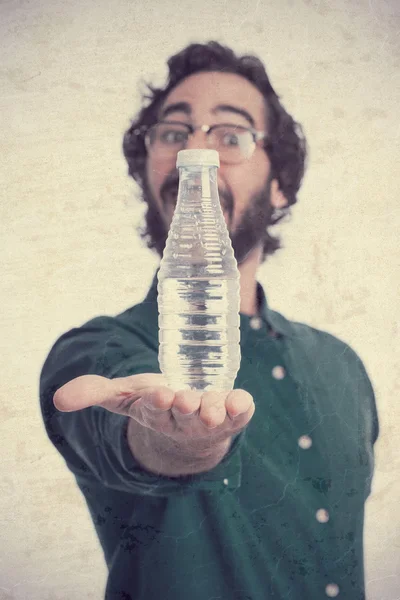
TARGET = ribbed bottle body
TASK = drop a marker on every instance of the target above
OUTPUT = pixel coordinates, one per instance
(199, 332)
(199, 290)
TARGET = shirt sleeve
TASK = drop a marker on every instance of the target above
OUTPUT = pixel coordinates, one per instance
(368, 423)
(93, 441)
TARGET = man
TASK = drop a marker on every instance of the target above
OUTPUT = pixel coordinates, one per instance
(247, 494)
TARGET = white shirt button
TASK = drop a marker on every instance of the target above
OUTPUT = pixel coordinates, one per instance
(226, 481)
(322, 515)
(255, 323)
(332, 590)
(305, 442)
(278, 372)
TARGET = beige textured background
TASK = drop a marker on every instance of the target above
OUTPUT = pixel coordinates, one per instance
(68, 78)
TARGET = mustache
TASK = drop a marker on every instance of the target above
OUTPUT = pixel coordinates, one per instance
(169, 193)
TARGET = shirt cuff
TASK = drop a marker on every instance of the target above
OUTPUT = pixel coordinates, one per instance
(127, 474)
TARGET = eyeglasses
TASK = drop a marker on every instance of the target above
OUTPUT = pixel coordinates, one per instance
(234, 143)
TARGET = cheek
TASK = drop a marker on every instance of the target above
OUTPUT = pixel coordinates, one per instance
(248, 178)
(258, 170)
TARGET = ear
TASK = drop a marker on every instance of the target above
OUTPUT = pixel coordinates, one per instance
(278, 200)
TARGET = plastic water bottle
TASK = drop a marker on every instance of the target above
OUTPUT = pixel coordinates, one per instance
(198, 284)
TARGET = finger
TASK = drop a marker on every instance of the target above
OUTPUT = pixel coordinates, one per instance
(212, 409)
(146, 414)
(113, 394)
(134, 382)
(157, 399)
(238, 403)
(82, 392)
(186, 403)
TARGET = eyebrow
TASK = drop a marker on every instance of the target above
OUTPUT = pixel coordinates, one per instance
(187, 109)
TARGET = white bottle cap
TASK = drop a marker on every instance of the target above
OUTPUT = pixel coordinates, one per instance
(197, 158)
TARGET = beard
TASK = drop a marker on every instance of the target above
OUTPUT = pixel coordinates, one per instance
(250, 233)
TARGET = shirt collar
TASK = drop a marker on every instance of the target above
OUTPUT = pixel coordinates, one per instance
(274, 320)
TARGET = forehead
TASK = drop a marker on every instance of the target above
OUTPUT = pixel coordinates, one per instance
(205, 91)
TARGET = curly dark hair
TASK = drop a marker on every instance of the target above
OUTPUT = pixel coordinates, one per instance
(286, 145)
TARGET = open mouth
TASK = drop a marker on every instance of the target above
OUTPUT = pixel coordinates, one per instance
(171, 196)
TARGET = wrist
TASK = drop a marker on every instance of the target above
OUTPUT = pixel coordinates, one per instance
(161, 455)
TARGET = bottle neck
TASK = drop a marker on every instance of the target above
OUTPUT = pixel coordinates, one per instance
(200, 181)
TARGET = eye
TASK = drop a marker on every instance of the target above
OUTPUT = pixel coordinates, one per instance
(230, 139)
(173, 136)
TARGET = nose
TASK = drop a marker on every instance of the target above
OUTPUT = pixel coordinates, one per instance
(197, 141)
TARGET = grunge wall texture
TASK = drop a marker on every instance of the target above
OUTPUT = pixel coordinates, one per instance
(68, 86)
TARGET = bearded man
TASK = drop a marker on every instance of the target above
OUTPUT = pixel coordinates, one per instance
(245, 494)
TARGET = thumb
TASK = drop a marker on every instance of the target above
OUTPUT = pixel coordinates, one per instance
(82, 392)
(93, 390)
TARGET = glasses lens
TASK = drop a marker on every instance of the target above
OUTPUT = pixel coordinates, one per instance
(167, 138)
(234, 143)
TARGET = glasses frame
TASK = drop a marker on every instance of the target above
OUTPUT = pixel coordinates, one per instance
(207, 129)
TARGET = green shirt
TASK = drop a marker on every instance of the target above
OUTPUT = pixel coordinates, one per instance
(282, 514)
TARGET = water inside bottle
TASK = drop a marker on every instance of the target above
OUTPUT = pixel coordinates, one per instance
(199, 332)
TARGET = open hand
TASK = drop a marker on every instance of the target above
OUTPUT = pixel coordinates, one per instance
(183, 415)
